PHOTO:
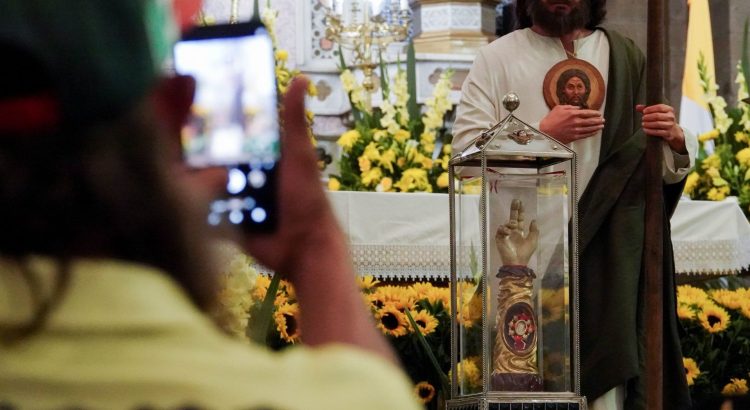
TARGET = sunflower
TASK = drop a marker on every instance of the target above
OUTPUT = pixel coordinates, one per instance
(727, 298)
(393, 295)
(425, 392)
(391, 321)
(286, 287)
(691, 370)
(425, 321)
(692, 296)
(468, 373)
(261, 287)
(420, 290)
(367, 283)
(553, 304)
(713, 318)
(745, 308)
(436, 295)
(287, 322)
(281, 299)
(735, 387)
(685, 312)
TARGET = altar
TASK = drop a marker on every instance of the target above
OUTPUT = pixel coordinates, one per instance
(396, 236)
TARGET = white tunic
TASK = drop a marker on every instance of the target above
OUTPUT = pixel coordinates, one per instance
(518, 62)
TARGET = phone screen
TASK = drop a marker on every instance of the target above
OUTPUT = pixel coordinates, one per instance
(234, 120)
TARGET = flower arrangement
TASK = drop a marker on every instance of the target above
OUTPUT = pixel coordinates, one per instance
(395, 147)
(716, 343)
(722, 167)
(414, 318)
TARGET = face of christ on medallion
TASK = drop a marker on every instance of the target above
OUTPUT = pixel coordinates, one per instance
(574, 88)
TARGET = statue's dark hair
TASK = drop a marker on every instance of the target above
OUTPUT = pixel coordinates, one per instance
(598, 10)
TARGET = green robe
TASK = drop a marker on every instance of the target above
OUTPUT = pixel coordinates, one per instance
(611, 236)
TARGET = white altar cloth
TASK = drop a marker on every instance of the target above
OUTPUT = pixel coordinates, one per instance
(710, 237)
(406, 236)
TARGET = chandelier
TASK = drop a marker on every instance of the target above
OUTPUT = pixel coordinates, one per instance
(366, 26)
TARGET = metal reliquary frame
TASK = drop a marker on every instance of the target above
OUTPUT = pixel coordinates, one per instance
(508, 164)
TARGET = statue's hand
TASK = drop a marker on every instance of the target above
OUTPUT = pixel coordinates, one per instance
(515, 245)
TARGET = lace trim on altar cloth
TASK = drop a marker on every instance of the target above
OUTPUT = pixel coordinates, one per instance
(403, 263)
(430, 262)
(718, 257)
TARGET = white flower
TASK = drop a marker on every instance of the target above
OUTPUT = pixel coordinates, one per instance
(237, 279)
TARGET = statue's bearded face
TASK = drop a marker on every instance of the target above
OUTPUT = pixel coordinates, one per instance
(559, 17)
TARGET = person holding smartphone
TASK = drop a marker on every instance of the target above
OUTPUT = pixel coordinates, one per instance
(105, 263)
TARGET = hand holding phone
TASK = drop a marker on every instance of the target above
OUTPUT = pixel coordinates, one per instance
(234, 120)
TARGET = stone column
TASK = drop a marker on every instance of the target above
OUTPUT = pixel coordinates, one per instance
(453, 26)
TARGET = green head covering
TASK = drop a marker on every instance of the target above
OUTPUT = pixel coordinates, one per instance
(101, 56)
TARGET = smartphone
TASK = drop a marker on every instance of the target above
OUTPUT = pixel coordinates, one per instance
(234, 119)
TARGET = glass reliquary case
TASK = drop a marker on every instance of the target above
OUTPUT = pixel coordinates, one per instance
(514, 287)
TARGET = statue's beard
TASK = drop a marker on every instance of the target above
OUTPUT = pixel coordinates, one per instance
(555, 24)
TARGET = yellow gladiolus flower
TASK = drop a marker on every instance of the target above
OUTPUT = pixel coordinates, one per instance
(740, 136)
(348, 82)
(427, 137)
(312, 90)
(743, 157)
(379, 134)
(414, 179)
(387, 159)
(708, 136)
(691, 182)
(282, 55)
(371, 152)
(712, 161)
(385, 185)
(442, 180)
(401, 135)
(333, 184)
(735, 387)
(718, 193)
(372, 176)
(713, 318)
(364, 164)
(348, 139)
(691, 370)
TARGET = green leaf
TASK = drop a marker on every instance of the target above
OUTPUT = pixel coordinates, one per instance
(258, 331)
(445, 385)
(411, 79)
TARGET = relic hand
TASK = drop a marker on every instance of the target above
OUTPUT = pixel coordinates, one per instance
(567, 123)
(514, 245)
(659, 121)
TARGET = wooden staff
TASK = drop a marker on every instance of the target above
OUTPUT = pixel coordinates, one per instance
(653, 255)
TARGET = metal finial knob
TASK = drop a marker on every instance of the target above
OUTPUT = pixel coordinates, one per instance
(511, 101)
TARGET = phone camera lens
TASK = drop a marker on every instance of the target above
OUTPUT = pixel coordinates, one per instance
(236, 181)
(258, 215)
(257, 178)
